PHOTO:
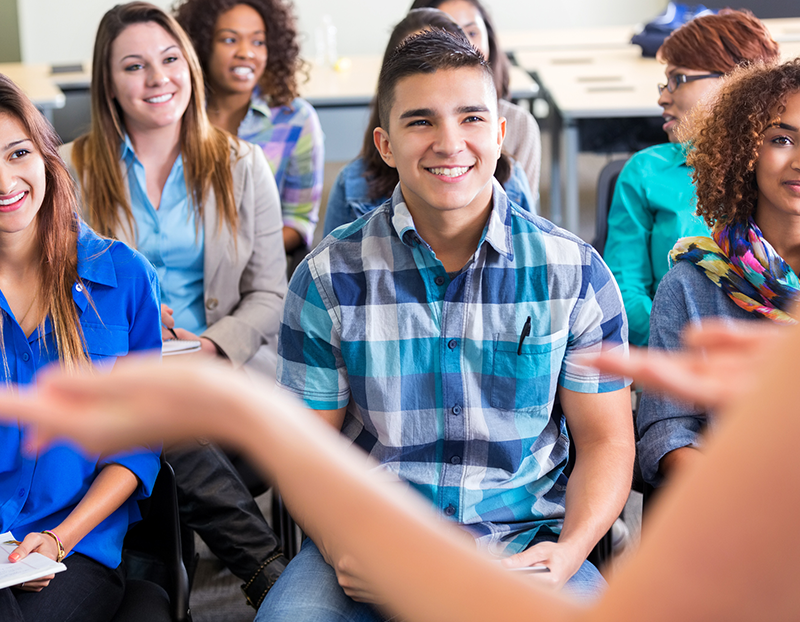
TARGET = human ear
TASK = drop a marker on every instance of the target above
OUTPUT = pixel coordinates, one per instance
(501, 134)
(381, 138)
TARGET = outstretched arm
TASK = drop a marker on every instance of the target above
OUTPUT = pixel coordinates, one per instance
(700, 558)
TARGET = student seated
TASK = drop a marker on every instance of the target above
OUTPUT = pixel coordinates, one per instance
(421, 567)
(744, 153)
(653, 202)
(523, 141)
(250, 58)
(71, 297)
(203, 207)
(367, 182)
(438, 332)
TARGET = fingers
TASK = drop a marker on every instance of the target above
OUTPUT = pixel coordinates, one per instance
(166, 317)
(36, 585)
(535, 556)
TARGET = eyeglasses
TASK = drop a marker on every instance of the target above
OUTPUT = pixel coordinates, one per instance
(676, 79)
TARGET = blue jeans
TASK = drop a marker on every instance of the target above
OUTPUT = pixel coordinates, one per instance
(309, 592)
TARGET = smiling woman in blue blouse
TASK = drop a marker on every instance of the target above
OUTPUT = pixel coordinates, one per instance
(66, 295)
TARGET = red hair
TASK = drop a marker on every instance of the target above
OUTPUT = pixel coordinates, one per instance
(719, 43)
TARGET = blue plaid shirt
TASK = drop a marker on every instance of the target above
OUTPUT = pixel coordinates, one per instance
(438, 388)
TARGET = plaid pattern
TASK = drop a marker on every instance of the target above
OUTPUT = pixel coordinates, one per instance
(429, 364)
(292, 140)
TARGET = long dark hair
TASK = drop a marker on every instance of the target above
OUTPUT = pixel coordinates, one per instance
(56, 227)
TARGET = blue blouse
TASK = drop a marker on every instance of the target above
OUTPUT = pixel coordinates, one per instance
(171, 240)
(38, 492)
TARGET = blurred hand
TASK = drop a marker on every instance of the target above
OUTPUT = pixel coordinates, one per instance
(715, 368)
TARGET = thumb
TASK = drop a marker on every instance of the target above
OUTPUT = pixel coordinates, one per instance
(26, 547)
(529, 557)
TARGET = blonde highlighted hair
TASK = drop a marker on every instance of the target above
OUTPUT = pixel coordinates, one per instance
(205, 149)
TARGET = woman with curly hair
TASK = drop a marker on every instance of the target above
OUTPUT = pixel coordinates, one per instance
(653, 202)
(746, 159)
(367, 182)
(250, 58)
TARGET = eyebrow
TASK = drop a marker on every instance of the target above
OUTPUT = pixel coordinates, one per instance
(429, 112)
(236, 32)
(14, 143)
(164, 51)
(785, 126)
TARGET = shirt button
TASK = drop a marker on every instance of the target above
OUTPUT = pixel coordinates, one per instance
(21, 493)
(452, 344)
(455, 460)
(79, 288)
(450, 510)
(439, 280)
(212, 303)
(456, 410)
(26, 356)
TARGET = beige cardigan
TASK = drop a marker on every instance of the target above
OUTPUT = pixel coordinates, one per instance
(245, 278)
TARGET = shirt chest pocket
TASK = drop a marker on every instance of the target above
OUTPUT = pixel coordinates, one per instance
(524, 377)
(105, 342)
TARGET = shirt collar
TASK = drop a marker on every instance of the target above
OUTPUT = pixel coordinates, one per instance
(95, 263)
(497, 232)
(127, 154)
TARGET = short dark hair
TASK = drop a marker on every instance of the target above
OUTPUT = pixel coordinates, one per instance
(497, 59)
(427, 52)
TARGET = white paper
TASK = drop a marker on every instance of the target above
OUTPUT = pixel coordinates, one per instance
(32, 567)
(179, 346)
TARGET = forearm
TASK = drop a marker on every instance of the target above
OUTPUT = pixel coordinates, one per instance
(596, 493)
(350, 511)
(110, 489)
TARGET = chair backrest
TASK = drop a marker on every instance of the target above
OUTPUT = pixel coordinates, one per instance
(606, 182)
(152, 549)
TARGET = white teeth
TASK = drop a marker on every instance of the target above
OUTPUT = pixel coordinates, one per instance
(13, 199)
(243, 71)
(160, 99)
(449, 172)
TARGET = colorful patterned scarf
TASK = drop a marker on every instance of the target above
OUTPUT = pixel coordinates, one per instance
(740, 261)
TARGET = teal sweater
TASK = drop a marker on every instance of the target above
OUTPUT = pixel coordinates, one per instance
(653, 206)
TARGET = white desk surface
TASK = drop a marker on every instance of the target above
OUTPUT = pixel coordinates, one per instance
(609, 37)
(606, 82)
(355, 83)
(37, 83)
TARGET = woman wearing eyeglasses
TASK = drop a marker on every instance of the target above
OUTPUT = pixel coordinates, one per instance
(654, 200)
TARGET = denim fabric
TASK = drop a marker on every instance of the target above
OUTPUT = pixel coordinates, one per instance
(87, 591)
(685, 297)
(308, 591)
(349, 197)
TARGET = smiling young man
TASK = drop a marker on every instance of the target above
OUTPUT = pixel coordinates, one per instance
(438, 332)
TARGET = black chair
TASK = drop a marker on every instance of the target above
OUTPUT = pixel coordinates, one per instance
(153, 553)
(606, 182)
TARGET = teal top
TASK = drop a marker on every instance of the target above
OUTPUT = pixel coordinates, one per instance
(653, 206)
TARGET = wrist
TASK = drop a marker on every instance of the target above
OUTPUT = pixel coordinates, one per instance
(61, 551)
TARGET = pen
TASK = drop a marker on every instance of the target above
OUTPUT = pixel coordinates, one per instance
(170, 330)
(526, 330)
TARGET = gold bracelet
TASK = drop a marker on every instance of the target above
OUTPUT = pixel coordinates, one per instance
(62, 553)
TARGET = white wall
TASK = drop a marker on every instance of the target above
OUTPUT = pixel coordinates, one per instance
(62, 31)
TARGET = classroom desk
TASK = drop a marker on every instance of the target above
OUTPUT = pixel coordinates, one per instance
(38, 84)
(355, 83)
(604, 83)
(595, 38)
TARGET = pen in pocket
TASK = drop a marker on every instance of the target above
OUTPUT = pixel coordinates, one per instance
(526, 330)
